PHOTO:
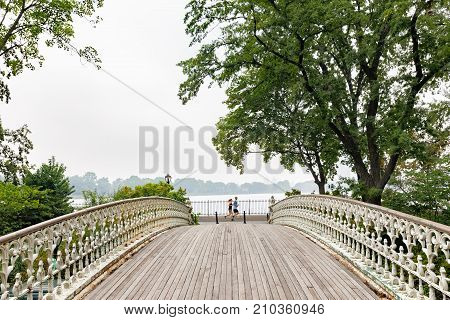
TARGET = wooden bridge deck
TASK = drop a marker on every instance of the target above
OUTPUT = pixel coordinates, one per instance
(232, 261)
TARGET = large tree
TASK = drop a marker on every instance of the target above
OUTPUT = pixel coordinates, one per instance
(26, 24)
(365, 64)
(268, 113)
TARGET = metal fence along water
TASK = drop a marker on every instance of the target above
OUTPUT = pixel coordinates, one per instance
(210, 207)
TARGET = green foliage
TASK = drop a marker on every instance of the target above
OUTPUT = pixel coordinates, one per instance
(363, 66)
(21, 207)
(160, 189)
(44, 195)
(26, 24)
(51, 178)
(14, 149)
(293, 192)
(268, 110)
(422, 191)
(195, 218)
(92, 198)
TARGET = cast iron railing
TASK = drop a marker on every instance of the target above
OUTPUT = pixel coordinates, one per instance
(398, 251)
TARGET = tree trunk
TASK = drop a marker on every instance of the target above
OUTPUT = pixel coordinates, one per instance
(371, 193)
(373, 198)
(321, 186)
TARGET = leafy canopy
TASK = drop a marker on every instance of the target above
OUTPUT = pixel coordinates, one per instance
(269, 111)
(26, 24)
(365, 64)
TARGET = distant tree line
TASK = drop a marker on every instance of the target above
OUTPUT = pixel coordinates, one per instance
(102, 186)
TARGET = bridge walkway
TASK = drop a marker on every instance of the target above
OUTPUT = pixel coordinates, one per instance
(232, 261)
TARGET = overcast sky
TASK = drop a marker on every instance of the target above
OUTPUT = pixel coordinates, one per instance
(90, 121)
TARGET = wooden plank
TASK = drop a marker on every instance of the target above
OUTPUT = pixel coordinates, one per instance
(326, 269)
(320, 288)
(331, 288)
(193, 277)
(314, 257)
(229, 252)
(203, 270)
(234, 266)
(156, 271)
(263, 289)
(247, 266)
(240, 267)
(151, 273)
(209, 292)
(313, 283)
(259, 263)
(115, 282)
(223, 274)
(252, 264)
(271, 276)
(277, 246)
(326, 266)
(178, 272)
(110, 284)
(297, 270)
(208, 281)
(219, 267)
(232, 261)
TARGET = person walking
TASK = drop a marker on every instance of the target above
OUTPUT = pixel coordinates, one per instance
(230, 208)
(235, 208)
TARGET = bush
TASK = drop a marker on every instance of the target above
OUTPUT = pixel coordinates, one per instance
(92, 198)
(423, 191)
(21, 207)
(160, 189)
(50, 177)
(293, 192)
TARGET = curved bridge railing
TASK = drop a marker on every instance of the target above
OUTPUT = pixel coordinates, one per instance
(56, 259)
(408, 256)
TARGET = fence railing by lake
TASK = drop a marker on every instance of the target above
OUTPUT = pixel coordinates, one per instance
(210, 207)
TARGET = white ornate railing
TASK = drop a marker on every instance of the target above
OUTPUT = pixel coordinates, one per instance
(53, 259)
(396, 250)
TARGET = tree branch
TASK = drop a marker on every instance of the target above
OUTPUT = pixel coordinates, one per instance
(415, 46)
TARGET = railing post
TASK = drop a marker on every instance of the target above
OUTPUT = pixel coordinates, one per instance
(245, 218)
(217, 218)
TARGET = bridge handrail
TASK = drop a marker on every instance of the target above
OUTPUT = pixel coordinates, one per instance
(397, 250)
(48, 223)
(59, 251)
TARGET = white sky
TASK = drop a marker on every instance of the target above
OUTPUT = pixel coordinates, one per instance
(90, 122)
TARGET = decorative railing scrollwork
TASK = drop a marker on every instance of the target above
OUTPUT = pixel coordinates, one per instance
(45, 261)
(408, 256)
